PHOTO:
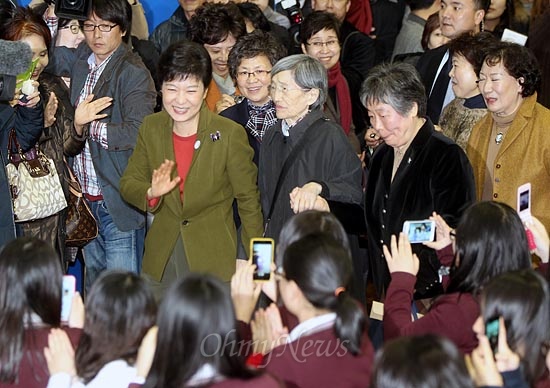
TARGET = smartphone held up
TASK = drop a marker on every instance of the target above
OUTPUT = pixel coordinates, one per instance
(419, 231)
(263, 252)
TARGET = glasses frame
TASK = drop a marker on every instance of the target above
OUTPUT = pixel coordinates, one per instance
(320, 45)
(74, 28)
(86, 27)
(284, 90)
(258, 74)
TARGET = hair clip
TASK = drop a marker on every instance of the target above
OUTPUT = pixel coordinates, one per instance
(215, 136)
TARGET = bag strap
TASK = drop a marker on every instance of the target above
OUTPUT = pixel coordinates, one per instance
(12, 141)
(74, 186)
(286, 167)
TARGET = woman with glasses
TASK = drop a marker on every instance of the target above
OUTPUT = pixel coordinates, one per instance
(250, 62)
(489, 240)
(320, 39)
(188, 167)
(510, 146)
(319, 163)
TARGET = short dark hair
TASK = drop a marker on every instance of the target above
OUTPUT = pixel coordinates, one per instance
(310, 222)
(473, 47)
(490, 240)
(252, 45)
(196, 323)
(319, 265)
(254, 15)
(214, 22)
(30, 282)
(519, 62)
(115, 11)
(522, 299)
(120, 309)
(318, 21)
(396, 84)
(426, 361)
(419, 4)
(185, 59)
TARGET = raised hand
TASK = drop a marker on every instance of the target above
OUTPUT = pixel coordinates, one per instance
(161, 181)
(89, 110)
(244, 291)
(401, 258)
(50, 110)
(442, 233)
(60, 353)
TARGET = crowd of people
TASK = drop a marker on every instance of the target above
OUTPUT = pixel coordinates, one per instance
(325, 127)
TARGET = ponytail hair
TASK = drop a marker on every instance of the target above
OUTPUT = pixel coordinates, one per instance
(321, 267)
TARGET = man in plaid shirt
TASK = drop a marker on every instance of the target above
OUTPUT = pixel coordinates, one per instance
(113, 91)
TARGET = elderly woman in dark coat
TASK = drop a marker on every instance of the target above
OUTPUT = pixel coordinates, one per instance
(325, 167)
(415, 172)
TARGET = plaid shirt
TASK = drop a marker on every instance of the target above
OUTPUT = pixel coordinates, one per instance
(83, 166)
(261, 118)
(52, 22)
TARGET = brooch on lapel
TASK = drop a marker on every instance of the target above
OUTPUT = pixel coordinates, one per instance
(215, 136)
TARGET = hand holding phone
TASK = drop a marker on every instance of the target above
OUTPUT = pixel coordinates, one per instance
(419, 231)
(68, 290)
(491, 331)
(262, 251)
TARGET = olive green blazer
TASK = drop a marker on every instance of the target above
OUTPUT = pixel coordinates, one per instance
(221, 171)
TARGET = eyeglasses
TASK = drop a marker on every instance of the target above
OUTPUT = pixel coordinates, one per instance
(75, 28)
(283, 89)
(319, 45)
(256, 73)
(88, 27)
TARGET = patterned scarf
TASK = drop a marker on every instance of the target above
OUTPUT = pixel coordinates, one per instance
(261, 118)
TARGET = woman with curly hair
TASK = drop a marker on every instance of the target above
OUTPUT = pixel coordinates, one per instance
(510, 146)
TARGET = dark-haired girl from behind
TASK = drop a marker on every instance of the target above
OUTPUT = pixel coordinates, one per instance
(329, 346)
(197, 343)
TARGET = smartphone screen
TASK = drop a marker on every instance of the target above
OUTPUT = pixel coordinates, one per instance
(524, 202)
(419, 231)
(67, 293)
(262, 255)
(491, 331)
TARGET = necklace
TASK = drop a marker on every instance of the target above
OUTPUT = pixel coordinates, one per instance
(499, 137)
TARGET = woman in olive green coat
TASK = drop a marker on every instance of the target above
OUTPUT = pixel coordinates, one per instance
(188, 166)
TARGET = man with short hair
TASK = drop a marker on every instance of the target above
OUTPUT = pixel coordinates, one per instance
(176, 27)
(409, 39)
(455, 17)
(357, 54)
(113, 91)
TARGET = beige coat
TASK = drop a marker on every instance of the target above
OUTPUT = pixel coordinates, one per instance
(523, 157)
